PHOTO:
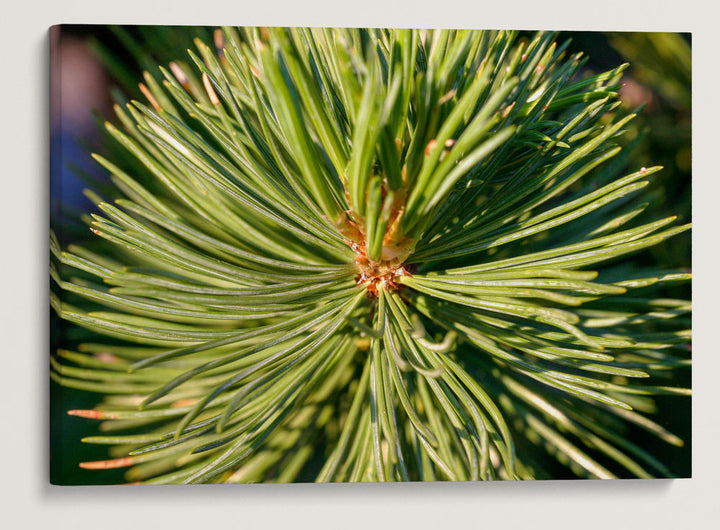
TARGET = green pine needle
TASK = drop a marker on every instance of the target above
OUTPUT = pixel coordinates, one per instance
(372, 255)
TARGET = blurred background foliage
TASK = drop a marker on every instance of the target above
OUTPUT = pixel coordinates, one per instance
(102, 64)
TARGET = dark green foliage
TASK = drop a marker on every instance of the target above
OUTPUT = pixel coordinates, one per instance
(347, 255)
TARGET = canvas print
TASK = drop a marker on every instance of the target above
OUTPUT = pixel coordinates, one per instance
(367, 255)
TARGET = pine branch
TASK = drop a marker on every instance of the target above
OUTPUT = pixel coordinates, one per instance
(372, 255)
